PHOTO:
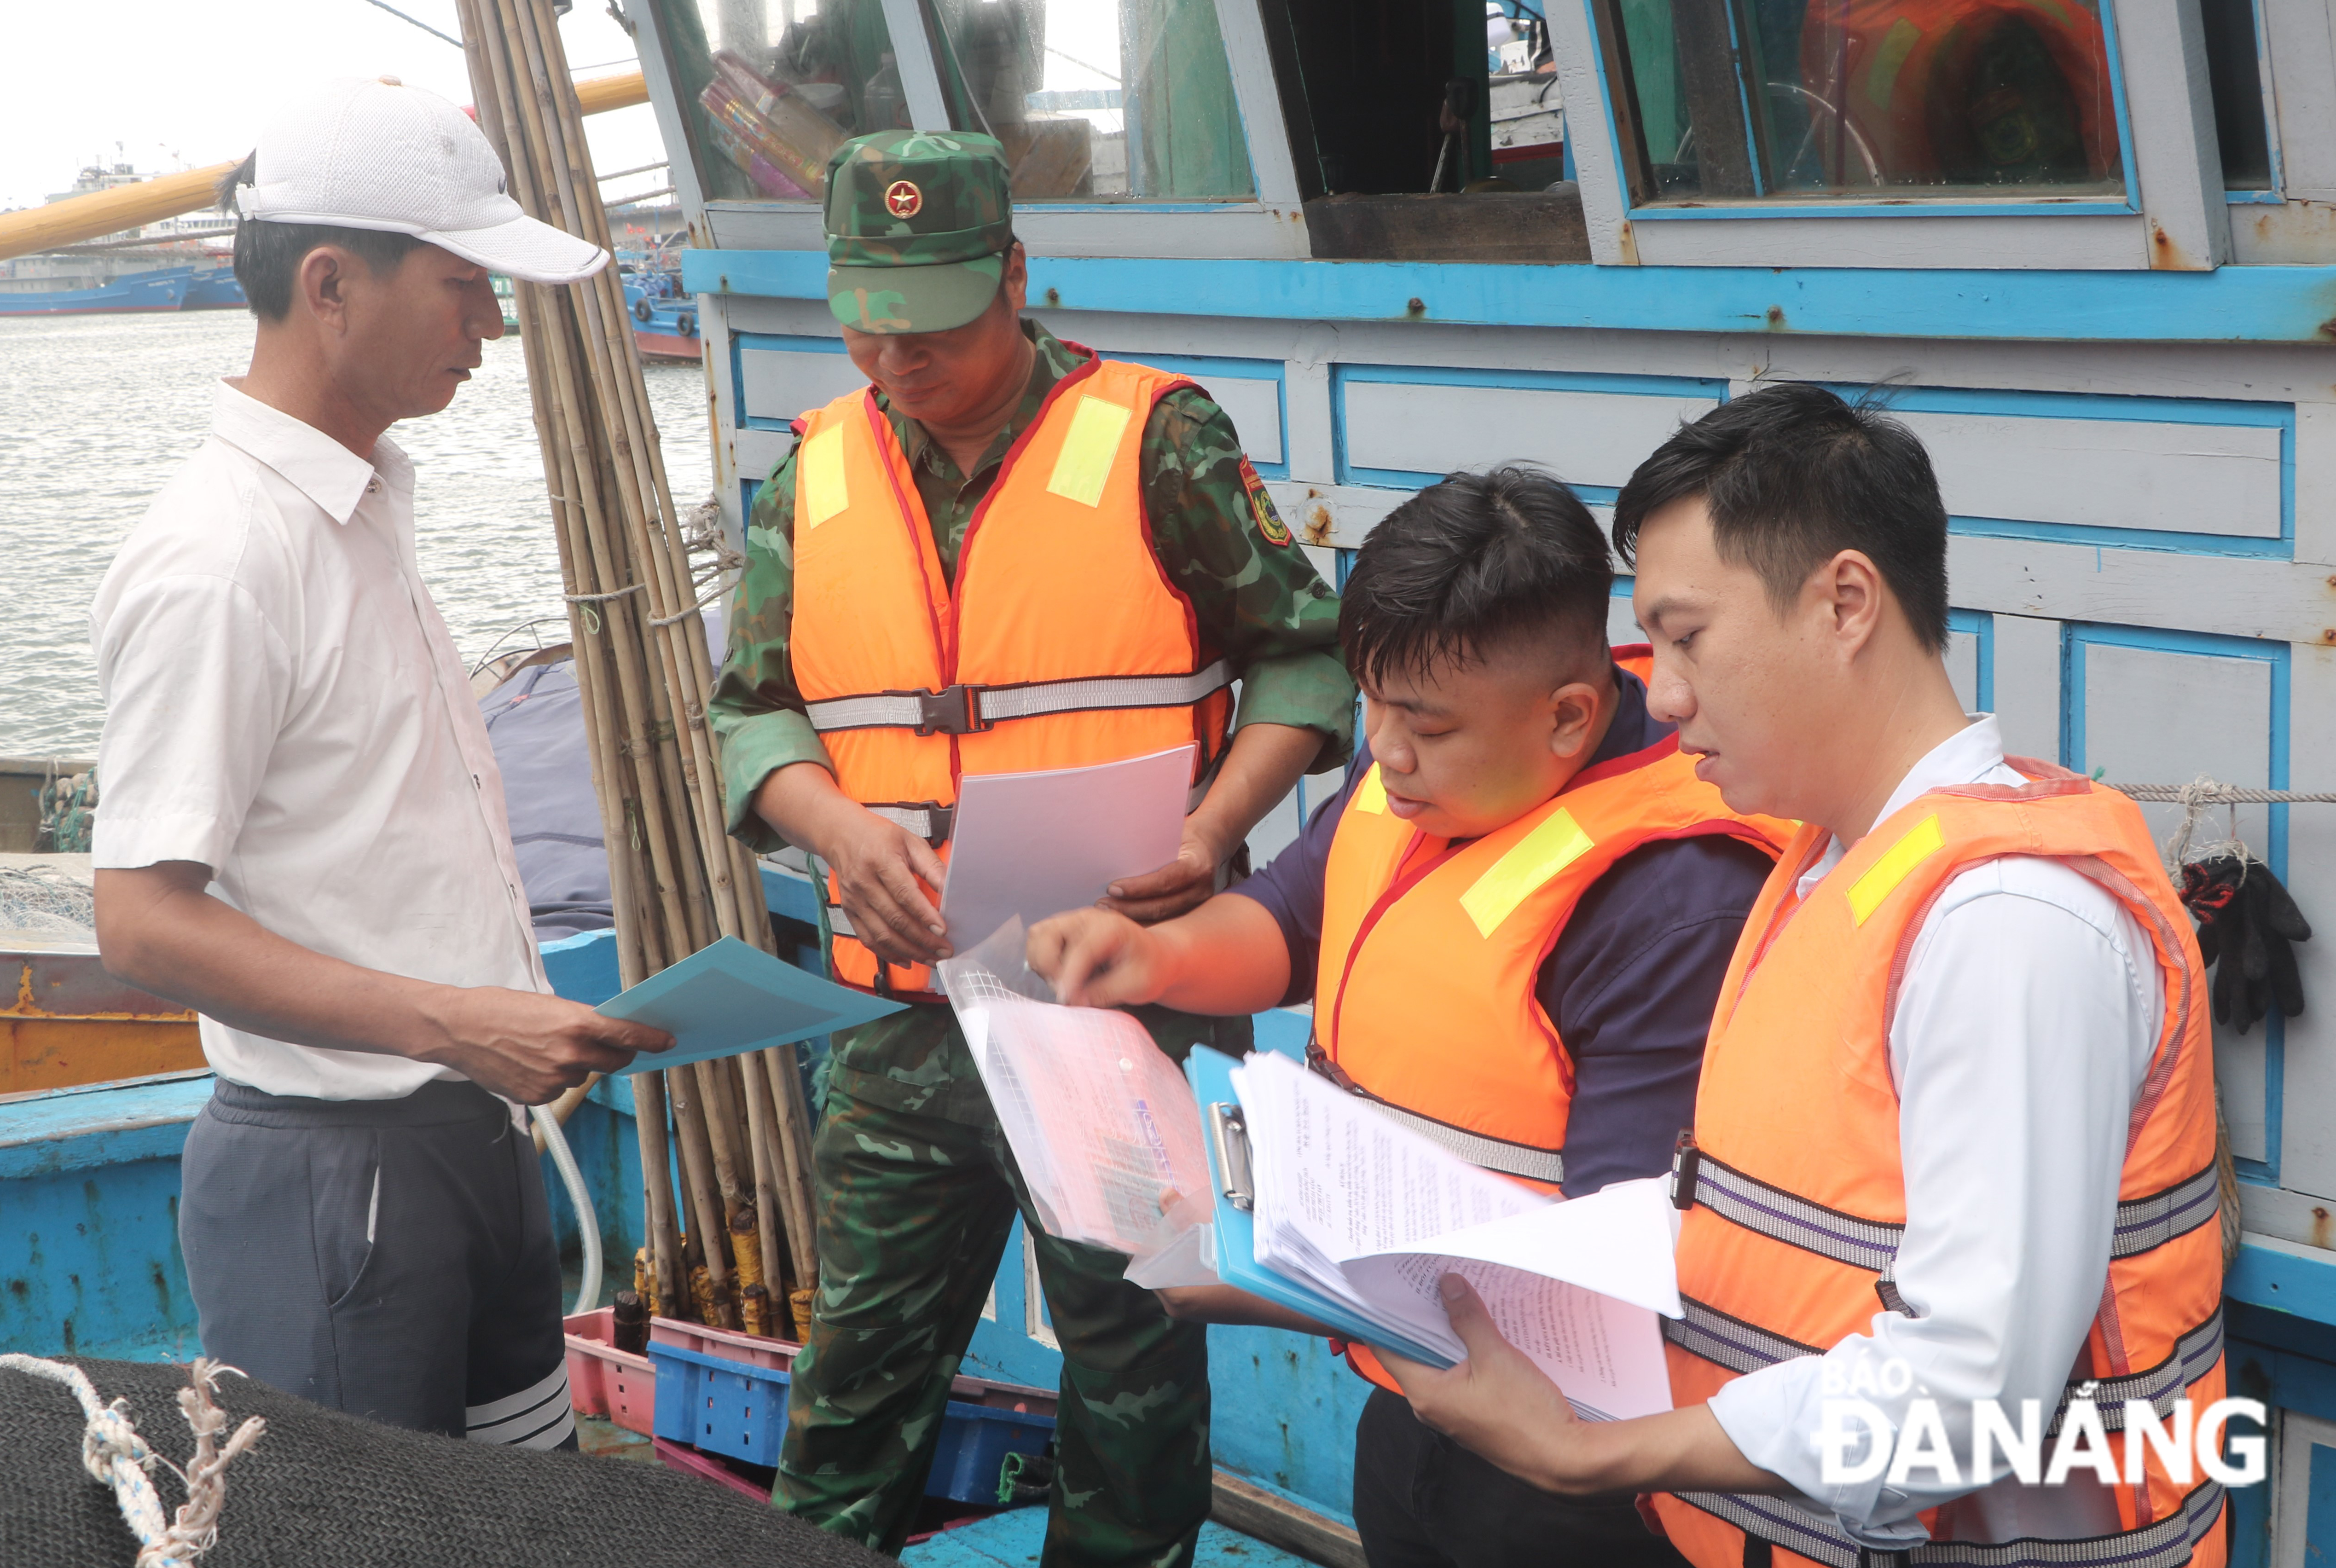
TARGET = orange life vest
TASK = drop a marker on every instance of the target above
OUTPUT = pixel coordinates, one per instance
(1425, 993)
(1060, 644)
(1788, 1245)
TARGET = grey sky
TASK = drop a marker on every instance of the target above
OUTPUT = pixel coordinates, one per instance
(181, 84)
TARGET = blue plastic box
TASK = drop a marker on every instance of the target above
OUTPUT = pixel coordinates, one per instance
(740, 1412)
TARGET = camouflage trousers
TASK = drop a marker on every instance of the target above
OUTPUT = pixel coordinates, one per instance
(917, 1194)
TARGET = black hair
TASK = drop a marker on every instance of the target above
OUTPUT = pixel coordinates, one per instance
(267, 256)
(1476, 560)
(1792, 475)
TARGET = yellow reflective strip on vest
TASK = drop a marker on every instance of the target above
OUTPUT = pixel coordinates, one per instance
(821, 491)
(1370, 795)
(1882, 877)
(1084, 465)
(1540, 854)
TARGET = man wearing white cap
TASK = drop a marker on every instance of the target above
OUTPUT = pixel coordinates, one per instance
(303, 834)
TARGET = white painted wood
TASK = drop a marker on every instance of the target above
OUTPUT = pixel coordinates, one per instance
(1586, 438)
(1306, 398)
(1622, 626)
(2027, 684)
(2041, 239)
(2157, 717)
(2300, 37)
(714, 329)
(2220, 479)
(1962, 667)
(1223, 229)
(2234, 596)
(2242, 1085)
(1597, 164)
(1259, 100)
(759, 451)
(1253, 403)
(2162, 46)
(2315, 485)
(2308, 1130)
(785, 382)
(2289, 234)
(913, 54)
(2297, 1217)
(2300, 1442)
(1034, 1297)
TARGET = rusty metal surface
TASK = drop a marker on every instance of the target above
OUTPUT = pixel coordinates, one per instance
(71, 985)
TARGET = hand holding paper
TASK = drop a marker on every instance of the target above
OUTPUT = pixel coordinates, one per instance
(729, 998)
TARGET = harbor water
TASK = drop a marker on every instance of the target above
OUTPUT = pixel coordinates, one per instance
(97, 412)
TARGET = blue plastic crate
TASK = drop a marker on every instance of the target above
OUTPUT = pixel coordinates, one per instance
(740, 1411)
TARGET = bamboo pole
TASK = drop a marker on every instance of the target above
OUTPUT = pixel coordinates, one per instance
(643, 672)
(761, 1137)
(794, 1160)
(711, 1219)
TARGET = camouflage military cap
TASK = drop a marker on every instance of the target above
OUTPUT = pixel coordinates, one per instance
(917, 226)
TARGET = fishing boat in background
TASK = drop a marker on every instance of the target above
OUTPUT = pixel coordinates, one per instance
(214, 289)
(665, 314)
(141, 291)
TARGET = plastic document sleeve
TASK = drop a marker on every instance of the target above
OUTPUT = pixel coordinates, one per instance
(1210, 1073)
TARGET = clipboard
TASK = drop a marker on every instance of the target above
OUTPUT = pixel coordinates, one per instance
(1210, 1072)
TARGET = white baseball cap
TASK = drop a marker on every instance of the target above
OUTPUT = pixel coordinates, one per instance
(378, 154)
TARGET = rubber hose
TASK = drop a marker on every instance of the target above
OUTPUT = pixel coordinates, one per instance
(588, 1221)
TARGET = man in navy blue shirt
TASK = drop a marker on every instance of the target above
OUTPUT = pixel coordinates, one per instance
(1512, 922)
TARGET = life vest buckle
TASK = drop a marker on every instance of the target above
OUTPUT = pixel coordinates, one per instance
(952, 710)
(1687, 1164)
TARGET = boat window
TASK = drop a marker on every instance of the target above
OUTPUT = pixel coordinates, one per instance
(769, 88)
(1129, 99)
(1843, 99)
(2235, 67)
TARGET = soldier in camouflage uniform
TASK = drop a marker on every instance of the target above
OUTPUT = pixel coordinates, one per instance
(917, 1189)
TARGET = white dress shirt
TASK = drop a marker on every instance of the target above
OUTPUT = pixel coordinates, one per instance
(284, 706)
(2024, 1029)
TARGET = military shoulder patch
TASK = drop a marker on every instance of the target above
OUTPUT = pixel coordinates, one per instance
(1261, 508)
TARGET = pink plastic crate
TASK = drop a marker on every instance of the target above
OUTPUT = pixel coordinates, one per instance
(706, 1468)
(754, 1350)
(603, 1380)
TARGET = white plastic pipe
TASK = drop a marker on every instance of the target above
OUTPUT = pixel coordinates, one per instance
(587, 1290)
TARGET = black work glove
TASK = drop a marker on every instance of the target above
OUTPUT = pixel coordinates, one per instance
(2246, 922)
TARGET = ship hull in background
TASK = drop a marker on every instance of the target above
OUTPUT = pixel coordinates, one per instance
(140, 292)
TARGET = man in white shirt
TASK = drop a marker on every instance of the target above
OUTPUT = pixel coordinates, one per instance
(302, 834)
(1954, 1138)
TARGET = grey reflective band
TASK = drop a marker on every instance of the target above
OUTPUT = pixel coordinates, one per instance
(929, 821)
(2153, 1220)
(2166, 1543)
(1780, 1216)
(1729, 1341)
(1492, 1154)
(2141, 1223)
(2195, 1354)
(969, 708)
(839, 924)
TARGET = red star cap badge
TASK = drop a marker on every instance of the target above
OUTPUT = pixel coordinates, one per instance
(902, 199)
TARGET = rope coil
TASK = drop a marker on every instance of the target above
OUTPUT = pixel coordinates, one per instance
(115, 1455)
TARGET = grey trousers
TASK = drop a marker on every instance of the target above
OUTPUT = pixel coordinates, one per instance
(392, 1259)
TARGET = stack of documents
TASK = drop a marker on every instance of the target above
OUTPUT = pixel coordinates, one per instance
(1353, 1219)
(1102, 1125)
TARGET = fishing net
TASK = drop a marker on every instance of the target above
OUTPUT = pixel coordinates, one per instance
(47, 901)
(321, 1488)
